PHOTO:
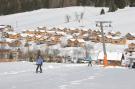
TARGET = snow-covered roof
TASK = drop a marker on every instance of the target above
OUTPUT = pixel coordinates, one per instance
(31, 35)
(12, 33)
(85, 29)
(32, 29)
(81, 40)
(100, 35)
(130, 41)
(133, 34)
(86, 34)
(61, 33)
(42, 30)
(38, 36)
(24, 34)
(116, 37)
(41, 27)
(72, 39)
(109, 36)
(2, 26)
(72, 28)
(111, 56)
(9, 40)
(52, 32)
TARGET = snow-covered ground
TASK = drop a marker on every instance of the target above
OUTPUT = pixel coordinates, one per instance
(21, 75)
(122, 20)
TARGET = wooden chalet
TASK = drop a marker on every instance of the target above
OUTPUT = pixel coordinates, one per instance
(15, 43)
(55, 39)
(13, 35)
(72, 31)
(129, 36)
(6, 28)
(82, 32)
(131, 47)
(75, 43)
(106, 39)
(119, 41)
(7, 55)
(114, 58)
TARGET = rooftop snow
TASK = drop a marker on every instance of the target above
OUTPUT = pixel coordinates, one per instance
(111, 55)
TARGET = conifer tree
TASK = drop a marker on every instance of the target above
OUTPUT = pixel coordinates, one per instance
(102, 11)
(121, 3)
(112, 6)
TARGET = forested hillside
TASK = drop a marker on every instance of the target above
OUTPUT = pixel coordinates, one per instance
(15, 6)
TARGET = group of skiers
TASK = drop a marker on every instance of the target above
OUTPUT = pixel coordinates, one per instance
(40, 60)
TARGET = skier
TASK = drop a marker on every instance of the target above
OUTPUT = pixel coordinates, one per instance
(89, 61)
(39, 63)
(133, 66)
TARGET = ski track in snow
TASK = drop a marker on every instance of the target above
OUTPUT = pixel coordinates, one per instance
(14, 72)
(44, 68)
(61, 76)
(77, 82)
(63, 86)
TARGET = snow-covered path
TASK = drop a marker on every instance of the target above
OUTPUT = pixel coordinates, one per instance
(64, 76)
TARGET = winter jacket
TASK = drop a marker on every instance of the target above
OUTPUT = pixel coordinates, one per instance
(39, 61)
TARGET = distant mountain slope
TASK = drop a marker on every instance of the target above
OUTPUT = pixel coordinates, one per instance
(122, 20)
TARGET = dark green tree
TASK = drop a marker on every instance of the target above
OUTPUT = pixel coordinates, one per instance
(15, 6)
(121, 3)
(100, 3)
(132, 3)
(112, 6)
(102, 12)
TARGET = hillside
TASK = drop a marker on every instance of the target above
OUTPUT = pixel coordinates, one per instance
(16, 6)
(21, 75)
(122, 20)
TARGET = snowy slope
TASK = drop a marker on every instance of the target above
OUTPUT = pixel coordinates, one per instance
(122, 20)
(21, 75)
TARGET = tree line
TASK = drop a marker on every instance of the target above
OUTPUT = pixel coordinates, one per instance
(16, 6)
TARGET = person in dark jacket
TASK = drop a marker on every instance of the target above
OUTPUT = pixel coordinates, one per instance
(39, 63)
(133, 66)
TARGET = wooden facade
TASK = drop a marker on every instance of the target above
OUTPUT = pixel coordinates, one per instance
(114, 58)
(8, 55)
(14, 36)
(131, 47)
(75, 43)
(16, 43)
(120, 41)
(110, 62)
